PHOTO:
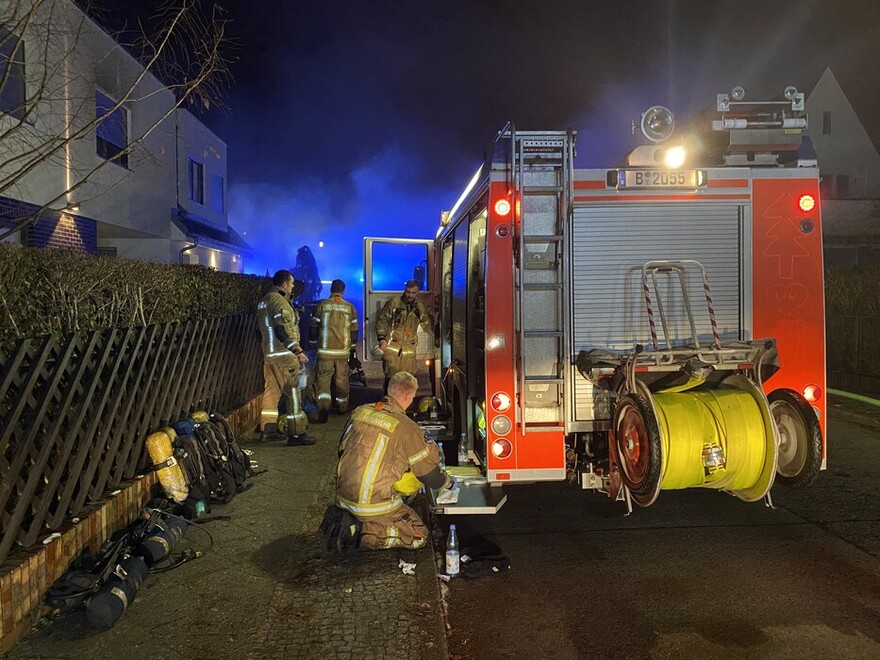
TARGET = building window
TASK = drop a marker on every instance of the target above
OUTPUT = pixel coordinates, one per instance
(196, 181)
(12, 99)
(216, 193)
(111, 134)
(842, 186)
(826, 122)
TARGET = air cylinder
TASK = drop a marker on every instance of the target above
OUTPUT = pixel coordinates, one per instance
(108, 605)
(161, 540)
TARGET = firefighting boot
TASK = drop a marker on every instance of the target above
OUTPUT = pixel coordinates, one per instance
(300, 439)
(330, 527)
(349, 538)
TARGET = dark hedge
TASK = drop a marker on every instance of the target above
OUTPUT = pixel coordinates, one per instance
(61, 291)
(45, 291)
(852, 292)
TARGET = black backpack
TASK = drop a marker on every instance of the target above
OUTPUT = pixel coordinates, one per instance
(189, 456)
(239, 461)
(215, 457)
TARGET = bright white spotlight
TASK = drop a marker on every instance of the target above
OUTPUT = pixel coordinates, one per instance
(674, 157)
(320, 244)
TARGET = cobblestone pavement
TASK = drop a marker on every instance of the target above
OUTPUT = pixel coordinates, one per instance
(267, 589)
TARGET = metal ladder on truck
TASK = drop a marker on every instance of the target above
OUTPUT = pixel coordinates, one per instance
(541, 170)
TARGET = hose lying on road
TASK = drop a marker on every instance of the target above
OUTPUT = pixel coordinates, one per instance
(855, 397)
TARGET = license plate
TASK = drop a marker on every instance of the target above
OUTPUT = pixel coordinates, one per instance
(658, 179)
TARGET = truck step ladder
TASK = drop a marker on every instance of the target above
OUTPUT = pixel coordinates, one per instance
(541, 175)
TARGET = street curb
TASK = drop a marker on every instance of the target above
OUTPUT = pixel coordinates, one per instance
(855, 418)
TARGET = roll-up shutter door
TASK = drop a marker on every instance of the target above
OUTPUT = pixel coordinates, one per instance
(609, 245)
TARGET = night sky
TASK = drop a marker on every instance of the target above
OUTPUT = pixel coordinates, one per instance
(353, 118)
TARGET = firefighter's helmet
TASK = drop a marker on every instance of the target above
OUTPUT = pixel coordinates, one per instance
(426, 403)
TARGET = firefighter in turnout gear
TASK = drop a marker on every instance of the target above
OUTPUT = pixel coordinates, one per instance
(334, 332)
(282, 357)
(379, 445)
(397, 330)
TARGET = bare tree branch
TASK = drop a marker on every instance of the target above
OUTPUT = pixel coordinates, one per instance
(180, 47)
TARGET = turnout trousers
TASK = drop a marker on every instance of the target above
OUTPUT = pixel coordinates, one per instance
(281, 378)
(331, 384)
(395, 359)
(400, 529)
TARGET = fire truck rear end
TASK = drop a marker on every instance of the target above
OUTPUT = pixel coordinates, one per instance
(653, 326)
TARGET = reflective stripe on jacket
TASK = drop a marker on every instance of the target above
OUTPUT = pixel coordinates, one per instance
(398, 324)
(274, 310)
(379, 444)
(334, 327)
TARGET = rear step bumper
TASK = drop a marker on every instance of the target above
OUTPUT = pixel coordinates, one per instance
(475, 496)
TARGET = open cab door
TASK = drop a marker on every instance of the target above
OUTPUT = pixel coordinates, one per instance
(388, 264)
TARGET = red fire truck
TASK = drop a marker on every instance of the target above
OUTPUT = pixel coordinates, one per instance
(650, 326)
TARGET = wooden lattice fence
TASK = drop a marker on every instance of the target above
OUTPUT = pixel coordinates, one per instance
(76, 410)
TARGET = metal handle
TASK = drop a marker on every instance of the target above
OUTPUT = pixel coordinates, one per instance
(679, 268)
(518, 219)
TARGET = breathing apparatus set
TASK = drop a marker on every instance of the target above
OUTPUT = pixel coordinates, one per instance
(107, 582)
(198, 462)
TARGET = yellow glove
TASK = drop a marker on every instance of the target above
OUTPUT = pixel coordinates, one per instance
(408, 484)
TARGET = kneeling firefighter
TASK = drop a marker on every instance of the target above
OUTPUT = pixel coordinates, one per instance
(379, 445)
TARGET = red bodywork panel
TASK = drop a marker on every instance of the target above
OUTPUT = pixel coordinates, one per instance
(787, 300)
(500, 360)
(535, 450)
(788, 283)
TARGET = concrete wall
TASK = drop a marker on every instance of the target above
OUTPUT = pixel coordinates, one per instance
(70, 57)
(83, 58)
(196, 142)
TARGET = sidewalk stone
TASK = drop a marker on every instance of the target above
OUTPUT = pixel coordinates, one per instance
(267, 589)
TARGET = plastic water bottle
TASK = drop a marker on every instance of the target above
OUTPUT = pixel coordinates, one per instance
(452, 556)
(462, 450)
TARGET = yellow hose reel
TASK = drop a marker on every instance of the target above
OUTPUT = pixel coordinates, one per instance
(723, 438)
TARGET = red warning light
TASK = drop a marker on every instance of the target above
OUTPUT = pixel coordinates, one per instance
(502, 448)
(500, 401)
(502, 207)
(807, 203)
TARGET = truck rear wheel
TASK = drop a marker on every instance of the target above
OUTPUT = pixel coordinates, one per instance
(800, 438)
(638, 445)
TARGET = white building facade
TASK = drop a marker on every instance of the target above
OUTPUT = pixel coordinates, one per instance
(849, 164)
(95, 153)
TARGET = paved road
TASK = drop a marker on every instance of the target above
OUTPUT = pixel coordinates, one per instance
(698, 575)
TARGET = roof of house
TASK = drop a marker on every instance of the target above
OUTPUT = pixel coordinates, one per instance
(863, 99)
